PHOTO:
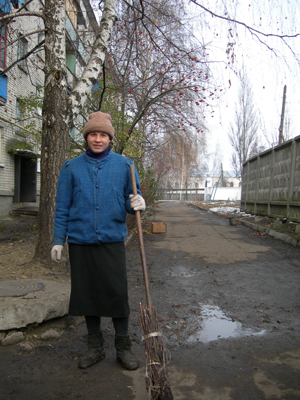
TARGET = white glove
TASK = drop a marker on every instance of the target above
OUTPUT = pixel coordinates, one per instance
(137, 202)
(56, 252)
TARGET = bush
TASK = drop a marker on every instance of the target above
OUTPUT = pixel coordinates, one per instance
(149, 189)
(148, 184)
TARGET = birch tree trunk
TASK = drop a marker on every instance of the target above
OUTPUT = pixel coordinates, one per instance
(59, 110)
(91, 73)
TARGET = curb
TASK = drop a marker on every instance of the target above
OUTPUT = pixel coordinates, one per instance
(277, 235)
(271, 232)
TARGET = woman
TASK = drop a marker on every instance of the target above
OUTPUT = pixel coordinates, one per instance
(93, 195)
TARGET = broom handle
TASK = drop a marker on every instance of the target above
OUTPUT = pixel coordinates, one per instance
(141, 241)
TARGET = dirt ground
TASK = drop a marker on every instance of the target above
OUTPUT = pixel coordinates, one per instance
(228, 306)
(18, 235)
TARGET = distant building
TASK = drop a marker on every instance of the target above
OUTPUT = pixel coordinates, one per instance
(194, 181)
(198, 187)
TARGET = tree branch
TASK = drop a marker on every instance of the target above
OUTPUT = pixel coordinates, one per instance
(144, 16)
(104, 86)
(23, 14)
(23, 57)
(252, 30)
(22, 37)
(77, 145)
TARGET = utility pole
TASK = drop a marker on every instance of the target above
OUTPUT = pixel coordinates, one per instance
(222, 176)
(281, 138)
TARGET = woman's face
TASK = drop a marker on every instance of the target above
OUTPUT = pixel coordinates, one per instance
(97, 141)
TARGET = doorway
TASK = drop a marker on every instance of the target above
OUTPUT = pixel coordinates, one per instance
(25, 179)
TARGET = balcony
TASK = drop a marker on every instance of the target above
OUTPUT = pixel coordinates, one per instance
(74, 44)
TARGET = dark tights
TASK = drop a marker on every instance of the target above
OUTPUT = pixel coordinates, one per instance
(93, 324)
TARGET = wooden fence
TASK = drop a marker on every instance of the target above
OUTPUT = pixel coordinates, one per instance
(182, 194)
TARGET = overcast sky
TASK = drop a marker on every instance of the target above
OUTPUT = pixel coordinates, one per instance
(267, 72)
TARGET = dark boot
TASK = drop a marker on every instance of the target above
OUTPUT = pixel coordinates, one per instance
(124, 354)
(95, 353)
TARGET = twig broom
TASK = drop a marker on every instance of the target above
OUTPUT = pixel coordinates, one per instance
(157, 382)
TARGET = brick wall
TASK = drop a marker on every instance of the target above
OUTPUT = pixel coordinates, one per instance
(22, 82)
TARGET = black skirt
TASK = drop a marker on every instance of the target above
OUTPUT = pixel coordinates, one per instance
(98, 280)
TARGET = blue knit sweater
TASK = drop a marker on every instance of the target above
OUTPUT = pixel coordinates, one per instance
(92, 199)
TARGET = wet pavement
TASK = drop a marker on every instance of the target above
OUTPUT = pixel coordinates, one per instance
(228, 305)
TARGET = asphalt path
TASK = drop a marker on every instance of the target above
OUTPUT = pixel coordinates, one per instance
(228, 305)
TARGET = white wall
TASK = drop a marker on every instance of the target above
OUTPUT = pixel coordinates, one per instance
(223, 193)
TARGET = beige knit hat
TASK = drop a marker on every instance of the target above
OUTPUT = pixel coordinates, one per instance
(99, 122)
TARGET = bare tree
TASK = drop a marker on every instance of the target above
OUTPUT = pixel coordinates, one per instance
(60, 109)
(243, 134)
(176, 160)
(216, 159)
(157, 84)
(153, 71)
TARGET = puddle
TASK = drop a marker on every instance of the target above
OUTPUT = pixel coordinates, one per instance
(213, 324)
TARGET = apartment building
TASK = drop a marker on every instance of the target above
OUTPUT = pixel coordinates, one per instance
(19, 147)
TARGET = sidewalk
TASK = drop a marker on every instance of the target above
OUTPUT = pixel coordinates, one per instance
(52, 299)
(275, 227)
(228, 308)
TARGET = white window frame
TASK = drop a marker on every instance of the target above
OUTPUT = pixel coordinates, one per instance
(22, 50)
(3, 42)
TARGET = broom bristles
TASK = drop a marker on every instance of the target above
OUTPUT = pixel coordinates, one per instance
(157, 382)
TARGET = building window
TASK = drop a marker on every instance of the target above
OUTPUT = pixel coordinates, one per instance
(19, 120)
(3, 37)
(22, 50)
(41, 37)
(38, 93)
(38, 165)
(3, 89)
(71, 9)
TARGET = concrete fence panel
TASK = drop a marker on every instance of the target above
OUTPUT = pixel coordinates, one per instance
(271, 182)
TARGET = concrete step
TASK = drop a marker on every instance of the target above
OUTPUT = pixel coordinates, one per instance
(19, 211)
